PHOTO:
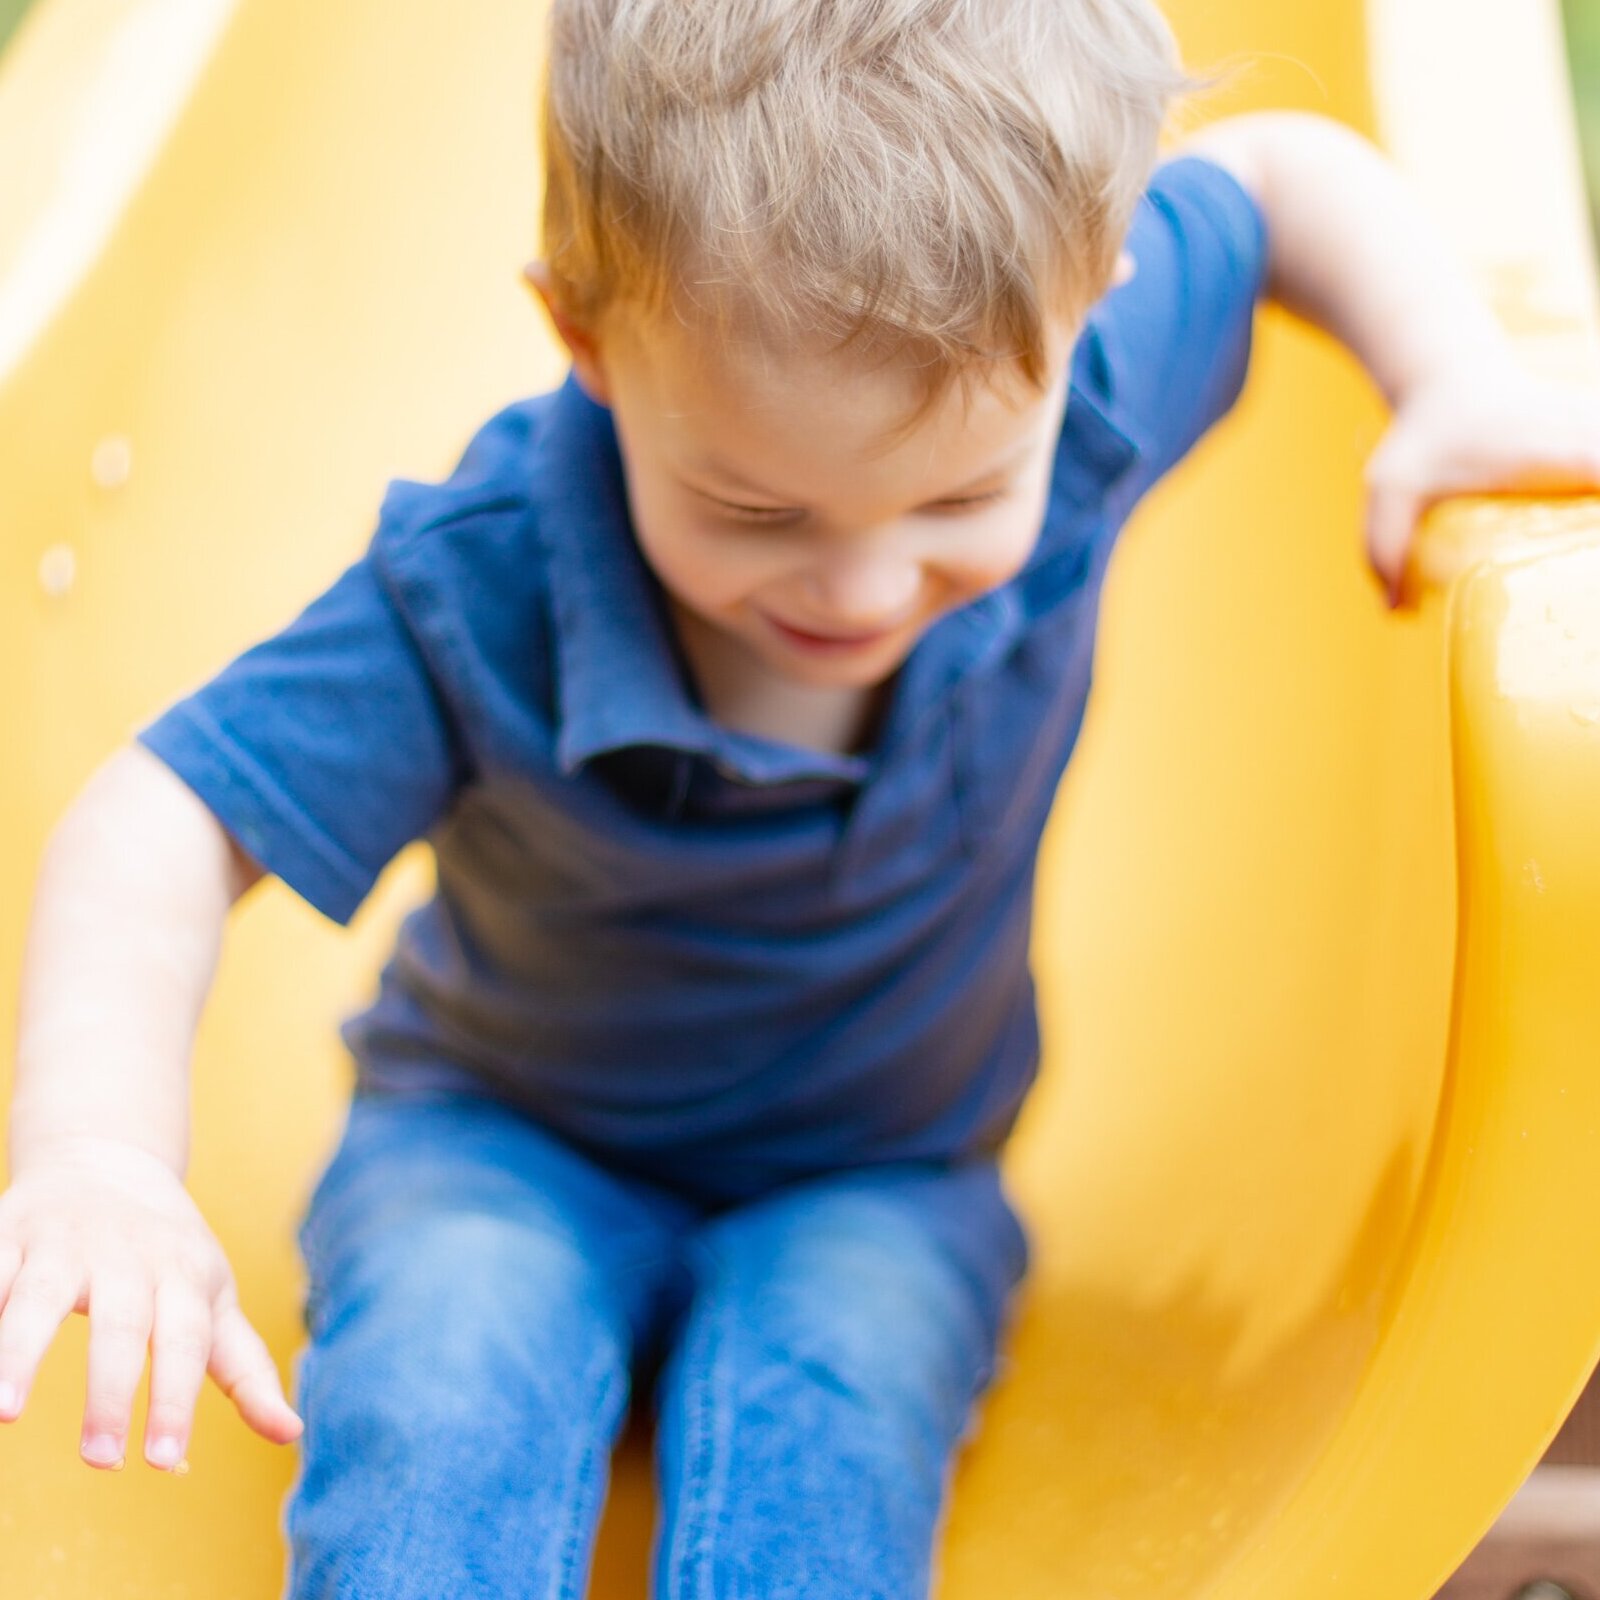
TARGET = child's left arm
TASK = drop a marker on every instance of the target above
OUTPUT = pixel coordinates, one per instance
(1349, 250)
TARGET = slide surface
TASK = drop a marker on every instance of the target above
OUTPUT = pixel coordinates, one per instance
(1307, 1189)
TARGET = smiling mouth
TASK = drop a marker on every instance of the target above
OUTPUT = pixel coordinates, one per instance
(836, 643)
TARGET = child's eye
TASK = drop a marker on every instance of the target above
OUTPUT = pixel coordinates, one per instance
(969, 502)
(757, 513)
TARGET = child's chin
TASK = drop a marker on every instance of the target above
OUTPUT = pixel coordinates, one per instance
(868, 671)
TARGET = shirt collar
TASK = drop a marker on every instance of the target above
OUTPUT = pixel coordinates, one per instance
(620, 679)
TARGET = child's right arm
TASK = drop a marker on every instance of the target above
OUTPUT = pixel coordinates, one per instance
(134, 890)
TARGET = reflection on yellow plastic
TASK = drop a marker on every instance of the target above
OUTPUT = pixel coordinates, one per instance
(1466, 532)
(1497, 1320)
(1307, 1302)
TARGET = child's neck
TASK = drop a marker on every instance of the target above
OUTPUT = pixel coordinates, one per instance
(741, 692)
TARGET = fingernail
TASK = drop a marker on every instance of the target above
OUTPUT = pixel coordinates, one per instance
(10, 1403)
(102, 1450)
(164, 1453)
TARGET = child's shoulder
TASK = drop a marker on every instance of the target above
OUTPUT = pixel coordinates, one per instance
(1165, 352)
(484, 534)
(461, 559)
(484, 564)
(1196, 246)
(493, 477)
(1188, 189)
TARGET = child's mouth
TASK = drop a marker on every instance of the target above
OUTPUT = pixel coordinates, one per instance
(828, 643)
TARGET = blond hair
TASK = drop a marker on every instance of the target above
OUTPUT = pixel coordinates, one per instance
(936, 178)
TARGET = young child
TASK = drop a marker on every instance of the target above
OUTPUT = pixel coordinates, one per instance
(731, 684)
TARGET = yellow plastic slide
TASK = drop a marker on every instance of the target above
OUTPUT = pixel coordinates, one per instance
(1315, 1165)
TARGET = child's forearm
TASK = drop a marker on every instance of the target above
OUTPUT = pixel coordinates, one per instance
(1351, 251)
(132, 896)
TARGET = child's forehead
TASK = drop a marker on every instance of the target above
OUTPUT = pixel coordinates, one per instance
(735, 387)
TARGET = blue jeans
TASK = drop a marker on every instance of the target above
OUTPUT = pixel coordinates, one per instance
(481, 1295)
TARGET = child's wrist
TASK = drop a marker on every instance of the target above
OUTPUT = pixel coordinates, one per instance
(104, 1153)
(1461, 355)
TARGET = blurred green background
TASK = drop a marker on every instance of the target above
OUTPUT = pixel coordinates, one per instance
(10, 13)
(1583, 51)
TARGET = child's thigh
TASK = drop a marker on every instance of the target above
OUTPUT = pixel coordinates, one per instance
(464, 1226)
(889, 1284)
(476, 1292)
(824, 1372)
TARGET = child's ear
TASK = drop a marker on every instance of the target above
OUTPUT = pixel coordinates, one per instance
(581, 344)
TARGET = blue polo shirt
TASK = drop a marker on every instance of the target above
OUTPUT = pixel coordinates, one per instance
(716, 960)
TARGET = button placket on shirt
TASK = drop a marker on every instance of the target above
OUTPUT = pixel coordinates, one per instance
(916, 733)
(916, 745)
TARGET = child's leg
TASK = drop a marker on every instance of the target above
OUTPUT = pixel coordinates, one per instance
(824, 1374)
(476, 1290)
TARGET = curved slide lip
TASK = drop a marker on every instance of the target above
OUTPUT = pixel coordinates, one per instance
(1477, 1368)
(92, 89)
(1519, 1114)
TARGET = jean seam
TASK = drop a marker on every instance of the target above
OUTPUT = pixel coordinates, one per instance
(702, 1487)
(571, 1571)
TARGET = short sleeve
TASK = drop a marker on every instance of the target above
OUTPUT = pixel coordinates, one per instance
(325, 749)
(1175, 339)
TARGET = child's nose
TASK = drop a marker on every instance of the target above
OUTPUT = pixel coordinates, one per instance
(866, 591)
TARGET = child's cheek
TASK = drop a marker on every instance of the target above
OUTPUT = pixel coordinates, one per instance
(1002, 551)
(713, 568)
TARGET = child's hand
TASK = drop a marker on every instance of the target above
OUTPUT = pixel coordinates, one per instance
(1350, 250)
(1479, 426)
(108, 1229)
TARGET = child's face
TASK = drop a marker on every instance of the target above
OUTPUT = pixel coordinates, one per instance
(778, 506)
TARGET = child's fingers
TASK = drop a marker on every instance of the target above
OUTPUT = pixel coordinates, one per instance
(1392, 515)
(180, 1349)
(44, 1291)
(244, 1370)
(119, 1331)
(10, 1265)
